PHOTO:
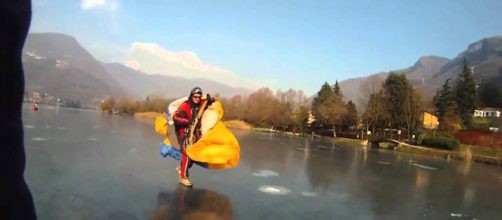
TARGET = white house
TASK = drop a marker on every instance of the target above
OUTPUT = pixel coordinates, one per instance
(487, 112)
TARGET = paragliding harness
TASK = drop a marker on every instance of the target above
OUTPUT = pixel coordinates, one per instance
(186, 139)
(190, 137)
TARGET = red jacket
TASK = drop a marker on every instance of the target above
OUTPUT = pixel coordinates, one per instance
(183, 117)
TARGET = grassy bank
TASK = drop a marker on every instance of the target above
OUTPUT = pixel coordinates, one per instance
(147, 116)
(270, 130)
(483, 154)
(479, 154)
(348, 142)
(238, 124)
(464, 152)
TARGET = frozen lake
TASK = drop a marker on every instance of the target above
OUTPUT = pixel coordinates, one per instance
(85, 165)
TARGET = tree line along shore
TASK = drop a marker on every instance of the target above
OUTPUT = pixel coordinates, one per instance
(394, 108)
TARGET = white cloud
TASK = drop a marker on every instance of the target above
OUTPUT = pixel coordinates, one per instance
(109, 4)
(132, 64)
(86, 4)
(153, 59)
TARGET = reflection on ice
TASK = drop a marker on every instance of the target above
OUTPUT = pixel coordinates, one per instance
(424, 167)
(28, 126)
(422, 179)
(275, 190)
(309, 194)
(344, 196)
(38, 139)
(185, 203)
(469, 194)
(265, 173)
(383, 162)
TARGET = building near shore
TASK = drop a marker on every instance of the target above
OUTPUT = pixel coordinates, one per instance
(487, 112)
(429, 120)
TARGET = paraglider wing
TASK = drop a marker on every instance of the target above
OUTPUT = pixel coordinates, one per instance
(172, 108)
(216, 149)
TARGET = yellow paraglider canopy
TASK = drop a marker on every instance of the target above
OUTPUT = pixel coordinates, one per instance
(217, 147)
(161, 128)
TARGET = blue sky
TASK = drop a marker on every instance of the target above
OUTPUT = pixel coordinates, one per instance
(279, 44)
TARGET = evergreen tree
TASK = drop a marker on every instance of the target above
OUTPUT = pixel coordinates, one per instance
(324, 94)
(350, 119)
(444, 99)
(396, 87)
(466, 97)
(337, 90)
(328, 108)
(445, 104)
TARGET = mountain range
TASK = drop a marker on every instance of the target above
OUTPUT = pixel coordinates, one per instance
(58, 65)
(430, 72)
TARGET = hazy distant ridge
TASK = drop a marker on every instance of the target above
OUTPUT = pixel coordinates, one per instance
(430, 72)
(57, 64)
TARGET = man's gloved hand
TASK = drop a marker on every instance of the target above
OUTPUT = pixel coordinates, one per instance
(210, 99)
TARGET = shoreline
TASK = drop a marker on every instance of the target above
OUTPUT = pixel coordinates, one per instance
(477, 154)
(146, 117)
(465, 152)
(468, 153)
(231, 124)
